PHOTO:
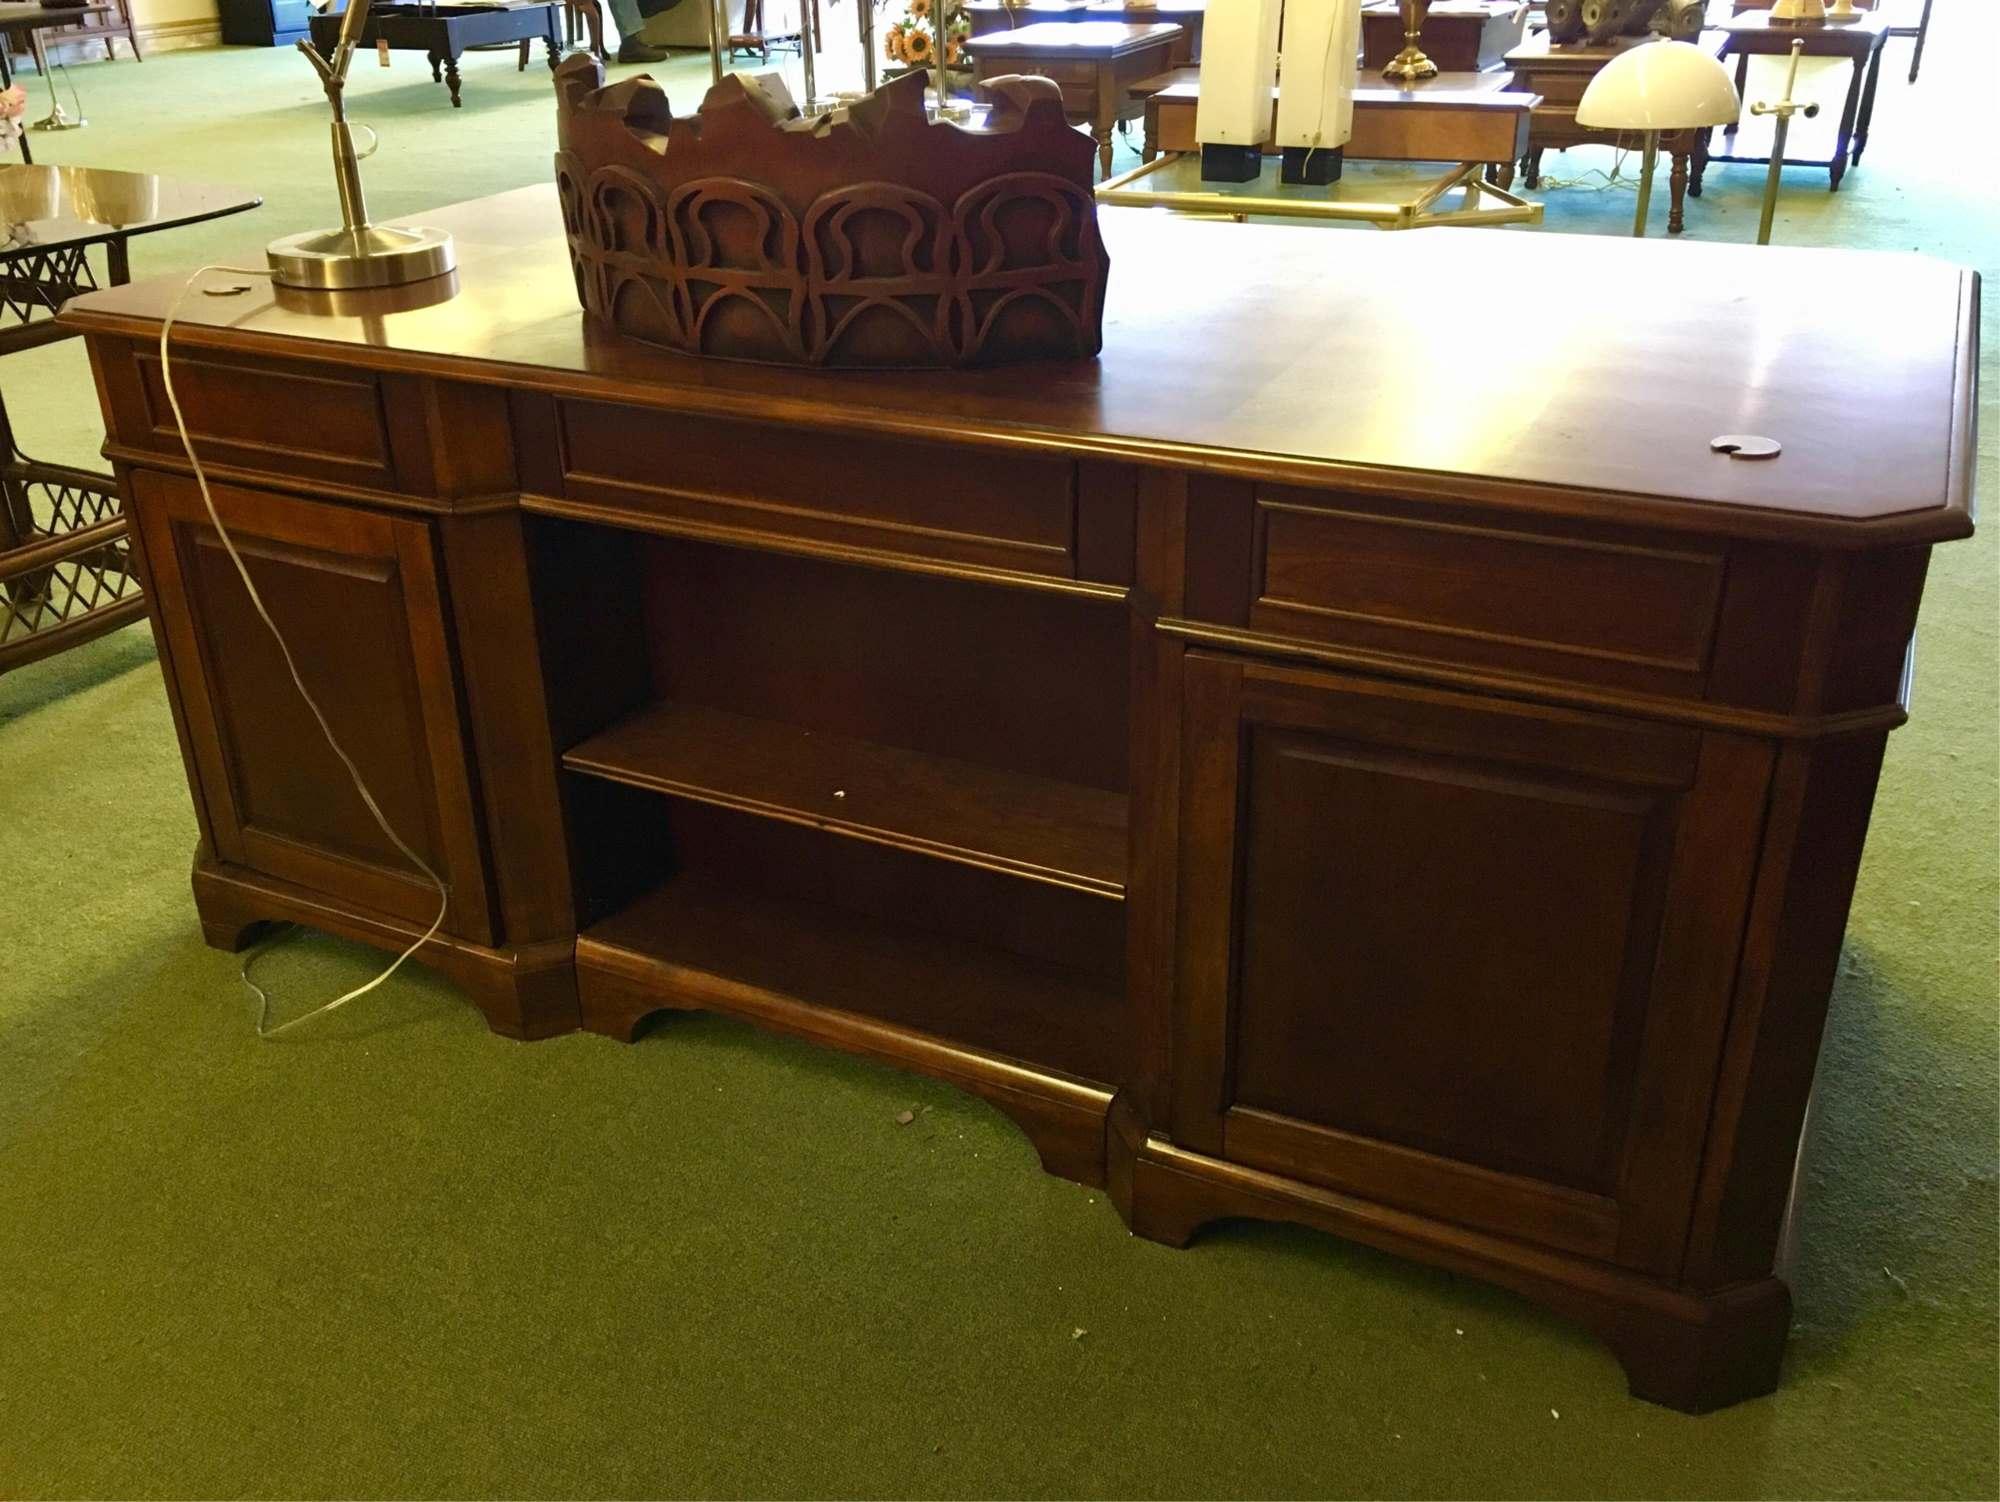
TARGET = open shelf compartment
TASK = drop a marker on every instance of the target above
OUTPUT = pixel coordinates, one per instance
(780, 962)
(1027, 826)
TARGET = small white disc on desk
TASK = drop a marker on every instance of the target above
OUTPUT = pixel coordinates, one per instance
(1746, 446)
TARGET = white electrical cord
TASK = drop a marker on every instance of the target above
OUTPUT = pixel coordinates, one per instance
(257, 601)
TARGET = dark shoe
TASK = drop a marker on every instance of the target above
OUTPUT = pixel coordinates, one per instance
(632, 50)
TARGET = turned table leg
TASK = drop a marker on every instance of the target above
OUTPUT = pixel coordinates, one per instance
(1868, 101)
(1677, 185)
(1104, 116)
(451, 79)
(1844, 143)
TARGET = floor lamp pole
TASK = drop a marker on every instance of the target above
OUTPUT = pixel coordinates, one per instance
(1647, 162)
(1784, 109)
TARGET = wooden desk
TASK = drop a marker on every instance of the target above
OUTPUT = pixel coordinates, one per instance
(1560, 74)
(1755, 34)
(1460, 36)
(1096, 62)
(989, 16)
(1276, 774)
(1453, 117)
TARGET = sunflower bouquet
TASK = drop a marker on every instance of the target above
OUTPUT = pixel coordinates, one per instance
(913, 41)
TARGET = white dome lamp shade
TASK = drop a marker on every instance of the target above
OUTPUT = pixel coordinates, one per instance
(1660, 86)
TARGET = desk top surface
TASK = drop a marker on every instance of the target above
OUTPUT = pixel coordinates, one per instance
(1434, 362)
(1080, 37)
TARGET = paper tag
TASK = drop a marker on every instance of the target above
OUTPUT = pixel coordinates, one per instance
(382, 51)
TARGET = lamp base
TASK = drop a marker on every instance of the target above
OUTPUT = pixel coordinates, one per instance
(1312, 166)
(1409, 65)
(1222, 162)
(341, 260)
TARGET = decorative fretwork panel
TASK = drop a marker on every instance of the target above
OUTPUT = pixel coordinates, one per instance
(35, 283)
(64, 557)
(874, 274)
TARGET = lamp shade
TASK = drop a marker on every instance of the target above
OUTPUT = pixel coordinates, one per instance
(1660, 86)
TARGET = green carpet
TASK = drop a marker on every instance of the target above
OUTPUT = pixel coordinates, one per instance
(397, 1255)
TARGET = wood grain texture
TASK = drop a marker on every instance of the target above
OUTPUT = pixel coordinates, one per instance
(1631, 612)
(748, 480)
(1659, 377)
(872, 238)
(357, 596)
(1696, 1353)
(894, 993)
(1436, 832)
(1031, 827)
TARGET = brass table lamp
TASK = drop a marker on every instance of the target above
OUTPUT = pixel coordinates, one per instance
(358, 254)
(1410, 64)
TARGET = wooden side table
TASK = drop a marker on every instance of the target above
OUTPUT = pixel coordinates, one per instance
(1756, 34)
(1453, 117)
(1910, 18)
(1095, 63)
(1560, 74)
(1460, 36)
(989, 16)
(444, 33)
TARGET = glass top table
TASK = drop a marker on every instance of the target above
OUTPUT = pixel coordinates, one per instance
(49, 211)
(1389, 195)
(64, 574)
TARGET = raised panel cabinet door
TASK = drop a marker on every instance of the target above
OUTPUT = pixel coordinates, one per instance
(1464, 956)
(356, 595)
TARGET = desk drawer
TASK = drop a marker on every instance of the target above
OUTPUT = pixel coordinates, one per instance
(325, 423)
(830, 492)
(1556, 88)
(1589, 606)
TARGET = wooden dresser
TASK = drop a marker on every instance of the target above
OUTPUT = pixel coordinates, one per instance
(1310, 763)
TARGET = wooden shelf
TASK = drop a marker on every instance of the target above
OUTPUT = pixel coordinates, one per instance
(1056, 832)
(835, 976)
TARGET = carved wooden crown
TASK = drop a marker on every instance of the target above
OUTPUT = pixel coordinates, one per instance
(870, 239)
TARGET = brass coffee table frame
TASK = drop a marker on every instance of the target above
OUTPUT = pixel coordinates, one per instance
(1140, 188)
